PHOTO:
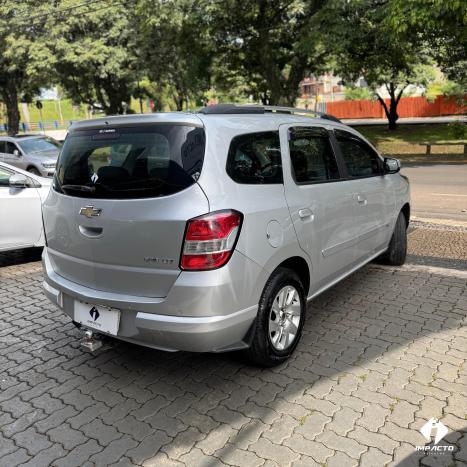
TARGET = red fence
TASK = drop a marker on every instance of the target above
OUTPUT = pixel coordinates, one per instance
(408, 107)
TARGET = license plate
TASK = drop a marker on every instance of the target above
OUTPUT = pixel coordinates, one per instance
(97, 317)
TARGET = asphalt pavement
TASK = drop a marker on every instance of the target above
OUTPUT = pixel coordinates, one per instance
(439, 191)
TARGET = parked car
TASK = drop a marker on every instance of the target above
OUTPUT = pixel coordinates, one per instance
(213, 229)
(21, 196)
(36, 154)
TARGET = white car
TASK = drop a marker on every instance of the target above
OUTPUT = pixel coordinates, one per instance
(21, 197)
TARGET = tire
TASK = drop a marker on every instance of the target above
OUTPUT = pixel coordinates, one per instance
(34, 171)
(265, 349)
(397, 251)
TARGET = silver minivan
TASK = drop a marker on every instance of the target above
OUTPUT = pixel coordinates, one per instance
(35, 153)
(210, 231)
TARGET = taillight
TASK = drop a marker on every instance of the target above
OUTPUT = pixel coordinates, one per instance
(210, 240)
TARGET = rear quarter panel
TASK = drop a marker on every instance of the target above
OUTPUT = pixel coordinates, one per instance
(264, 207)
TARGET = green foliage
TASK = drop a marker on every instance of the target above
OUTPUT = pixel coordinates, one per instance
(109, 55)
(270, 44)
(441, 24)
(358, 94)
(452, 89)
(94, 46)
(365, 45)
(458, 130)
(24, 56)
(176, 50)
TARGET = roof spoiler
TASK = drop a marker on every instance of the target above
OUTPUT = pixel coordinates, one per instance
(223, 109)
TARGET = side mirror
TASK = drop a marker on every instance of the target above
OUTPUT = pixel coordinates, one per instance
(391, 165)
(19, 181)
(16, 153)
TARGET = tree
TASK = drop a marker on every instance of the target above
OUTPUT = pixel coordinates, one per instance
(354, 93)
(364, 44)
(442, 25)
(25, 59)
(176, 51)
(271, 44)
(94, 45)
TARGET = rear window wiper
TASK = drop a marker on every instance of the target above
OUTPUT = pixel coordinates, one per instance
(89, 189)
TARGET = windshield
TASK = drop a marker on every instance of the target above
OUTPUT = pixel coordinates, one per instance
(40, 144)
(131, 162)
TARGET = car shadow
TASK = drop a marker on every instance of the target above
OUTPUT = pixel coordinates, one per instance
(21, 256)
(435, 261)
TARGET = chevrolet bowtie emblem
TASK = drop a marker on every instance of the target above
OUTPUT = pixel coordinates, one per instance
(90, 211)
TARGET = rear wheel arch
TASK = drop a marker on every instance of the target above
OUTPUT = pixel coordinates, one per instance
(301, 268)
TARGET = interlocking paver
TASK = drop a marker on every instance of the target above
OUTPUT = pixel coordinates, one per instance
(148, 447)
(231, 455)
(216, 439)
(281, 454)
(17, 457)
(32, 441)
(339, 443)
(23, 422)
(281, 429)
(373, 417)
(375, 363)
(113, 451)
(197, 457)
(312, 425)
(182, 443)
(403, 414)
(46, 457)
(79, 455)
(67, 436)
(343, 421)
(102, 433)
(342, 460)
(374, 457)
(317, 451)
(136, 429)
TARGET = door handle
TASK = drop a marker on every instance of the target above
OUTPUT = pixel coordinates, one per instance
(305, 212)
(361, 200)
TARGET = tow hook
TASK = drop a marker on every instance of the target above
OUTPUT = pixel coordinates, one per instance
(90, 341)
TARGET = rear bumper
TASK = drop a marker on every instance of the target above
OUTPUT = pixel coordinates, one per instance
(218, 318)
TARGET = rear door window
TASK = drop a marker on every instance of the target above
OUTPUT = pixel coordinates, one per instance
(311, 155)
(255, 158)
(360, 159)
(130, 162)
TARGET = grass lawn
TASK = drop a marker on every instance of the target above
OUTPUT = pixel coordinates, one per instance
(404, 142)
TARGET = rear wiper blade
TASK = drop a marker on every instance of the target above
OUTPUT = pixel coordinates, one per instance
(90, 189)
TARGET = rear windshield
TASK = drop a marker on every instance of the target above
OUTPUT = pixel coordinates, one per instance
(130, 162)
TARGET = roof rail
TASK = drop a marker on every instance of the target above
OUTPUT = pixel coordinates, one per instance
(294, 110)
(220, 109)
